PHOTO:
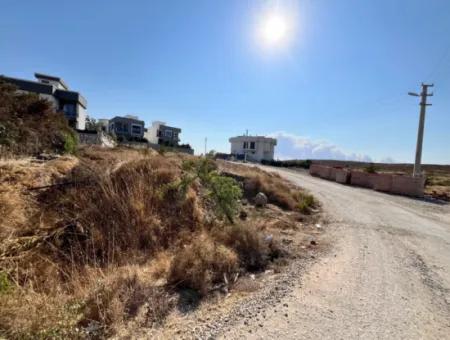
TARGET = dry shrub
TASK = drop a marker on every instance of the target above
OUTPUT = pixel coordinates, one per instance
(29, 125)
(137, 208)
(160, 266)
(248, 243)
(26, 314)
(277, 190)
(202, 264)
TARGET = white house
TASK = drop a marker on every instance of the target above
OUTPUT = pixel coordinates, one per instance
(253, 148)
(160, 133)
(56, 91)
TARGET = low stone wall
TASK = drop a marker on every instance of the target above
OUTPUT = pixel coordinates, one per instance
(360, 179)
(381, 182)
(342, 176)
(408, 185)
(95, 138)
(332, 176)
(314, 169)
(402, 185)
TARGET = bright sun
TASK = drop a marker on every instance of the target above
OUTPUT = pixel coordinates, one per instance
(274, 29)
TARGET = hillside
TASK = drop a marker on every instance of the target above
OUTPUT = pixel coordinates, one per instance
(109, 240)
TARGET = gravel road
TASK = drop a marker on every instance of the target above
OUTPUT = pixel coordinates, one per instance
(387, 275)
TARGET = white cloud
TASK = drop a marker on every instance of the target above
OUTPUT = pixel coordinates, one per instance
(290, 146)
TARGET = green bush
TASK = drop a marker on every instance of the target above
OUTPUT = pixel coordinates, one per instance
(5, 283)
(306, 202)
(70, 143)
(223, 191)
(371, 169)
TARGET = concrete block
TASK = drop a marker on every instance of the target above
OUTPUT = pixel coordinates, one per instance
(333, 172)
(381, 182)
(408, 185)
(342, 176)
(324, 172)
(314, 169)
(360, 179)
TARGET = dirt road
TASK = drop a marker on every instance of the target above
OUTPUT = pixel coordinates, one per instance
(386, 277)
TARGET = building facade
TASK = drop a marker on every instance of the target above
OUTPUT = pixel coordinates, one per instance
(56, 91)
(253, 148)
(162, 134)
(127, 127)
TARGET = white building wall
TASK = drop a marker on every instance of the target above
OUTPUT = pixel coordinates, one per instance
(264, 147)
(51, 99)
(152, 132)
(81, 117)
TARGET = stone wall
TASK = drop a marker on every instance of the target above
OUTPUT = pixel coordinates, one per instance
(381, 182)
(360, 179)
(408, 185)
(342, 176)
(396, 184)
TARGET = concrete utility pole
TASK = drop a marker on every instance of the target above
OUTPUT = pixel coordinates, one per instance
(423, 106)
(206, 143)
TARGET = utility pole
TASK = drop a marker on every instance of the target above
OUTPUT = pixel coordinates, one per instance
(423, 107)
(206, 142)
(245, 151)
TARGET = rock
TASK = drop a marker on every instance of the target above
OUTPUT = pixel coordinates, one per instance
(260, 200)
(244, 201)
(243, 215)
(47, 156)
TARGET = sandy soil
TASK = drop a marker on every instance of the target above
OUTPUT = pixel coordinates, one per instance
(387, 277)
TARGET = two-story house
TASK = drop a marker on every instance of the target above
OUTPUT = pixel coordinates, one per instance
(253, 148)
(56, 91)
(127, 128)
(162, 134)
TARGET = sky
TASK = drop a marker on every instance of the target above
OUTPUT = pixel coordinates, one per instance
(334, 87)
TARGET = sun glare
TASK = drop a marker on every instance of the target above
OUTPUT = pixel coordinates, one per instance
(274, 30)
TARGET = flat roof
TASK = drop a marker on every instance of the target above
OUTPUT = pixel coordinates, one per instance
(46, 76)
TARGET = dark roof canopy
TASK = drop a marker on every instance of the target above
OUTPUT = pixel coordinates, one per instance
(46, 76)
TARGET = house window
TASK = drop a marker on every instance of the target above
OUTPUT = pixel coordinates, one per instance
(245, 145)
(252, 145)
(168, 133)
(136, 129)
(70, 109)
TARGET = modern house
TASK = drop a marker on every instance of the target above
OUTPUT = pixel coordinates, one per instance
(162, 134)
(127, 128)
(56, 91)
(253, 148)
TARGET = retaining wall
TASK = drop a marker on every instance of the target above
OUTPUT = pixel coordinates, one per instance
(314, 169)
(408, 185)
(342, 176)
(360, 179)
(396, 184)
(381, 182)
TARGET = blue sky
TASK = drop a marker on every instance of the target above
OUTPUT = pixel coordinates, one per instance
(336, 89)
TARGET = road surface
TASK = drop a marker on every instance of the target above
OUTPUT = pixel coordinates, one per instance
(387, 275)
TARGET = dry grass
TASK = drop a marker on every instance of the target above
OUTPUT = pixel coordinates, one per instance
(108, 238)
(277, 190)
(202, 264)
